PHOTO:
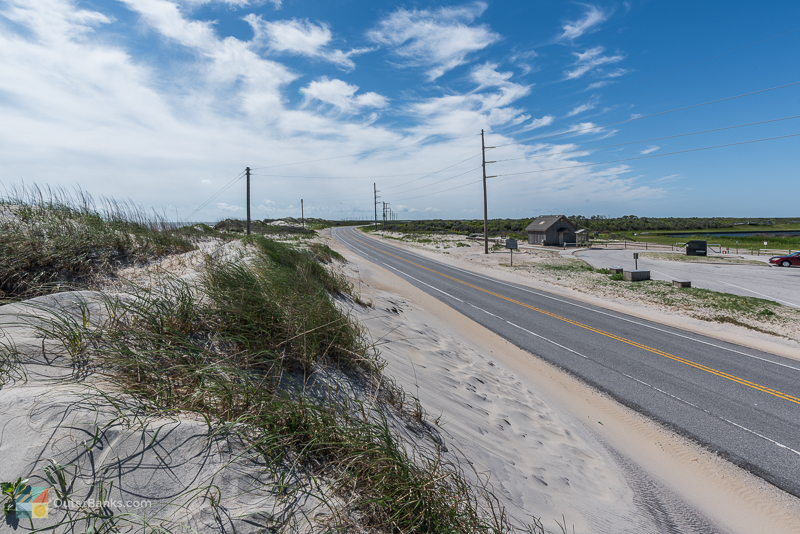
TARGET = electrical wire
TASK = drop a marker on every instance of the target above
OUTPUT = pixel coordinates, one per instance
(649, 140)
(436, 172)
(217, 194)
(441, 181)
(442, 191)
(350, 177)
(366, 152)
(649, 156)
(580, 130)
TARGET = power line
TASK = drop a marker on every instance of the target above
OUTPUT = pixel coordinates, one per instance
(649, 156)
(440, 181)
(350, 177)
(443, 190)
(415, 180)
(436, 172)
(650, 140)
(650, 115)
(364, 153)
(217, 194)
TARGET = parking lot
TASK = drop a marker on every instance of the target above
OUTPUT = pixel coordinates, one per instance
(780, 284)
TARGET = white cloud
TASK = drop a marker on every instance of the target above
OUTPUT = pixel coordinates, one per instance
(539, 123)
(589, 60)
(436, 40)
(598, 85)
(650, 149)
(470, 112)
(300, 37)
(342, 95)
(522, 60)
(79, 104)
(580, 109)
(670, 178)
(591, 18)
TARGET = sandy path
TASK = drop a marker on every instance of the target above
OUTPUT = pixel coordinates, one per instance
(551, 445)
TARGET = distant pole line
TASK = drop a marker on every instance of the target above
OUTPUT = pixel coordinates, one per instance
(247, 170)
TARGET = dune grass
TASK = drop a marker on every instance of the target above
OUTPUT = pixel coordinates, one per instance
(52, 239)
(260, 348)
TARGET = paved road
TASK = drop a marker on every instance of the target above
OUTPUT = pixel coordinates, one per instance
(740, 402)
(780, 284)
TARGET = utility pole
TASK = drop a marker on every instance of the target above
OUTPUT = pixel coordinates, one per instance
(248, 200)
(375, 191)
(485, 206)
(384, 213)
(302, 214)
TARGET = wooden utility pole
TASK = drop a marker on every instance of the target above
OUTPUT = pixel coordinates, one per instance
(302, 214)
(248, 199)
(375, 191)
(485, 206)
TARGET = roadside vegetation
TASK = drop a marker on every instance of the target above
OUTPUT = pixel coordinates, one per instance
(279, 229)
(628, 228)
(750, 312)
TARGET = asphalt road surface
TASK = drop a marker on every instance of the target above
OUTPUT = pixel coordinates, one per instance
(780, 284)
(740, 402)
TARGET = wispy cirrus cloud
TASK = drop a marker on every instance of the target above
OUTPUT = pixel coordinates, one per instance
(342, 95)
(590, 60)
(490, 103)
(436, 40)
(301, 37)
(577, 110)
(591, 18)
(541, 122)
(650, 149)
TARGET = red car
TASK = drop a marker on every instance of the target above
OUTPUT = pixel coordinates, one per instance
(786, 261)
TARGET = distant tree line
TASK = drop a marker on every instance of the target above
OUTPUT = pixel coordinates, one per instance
(597, 223)
(600, 223)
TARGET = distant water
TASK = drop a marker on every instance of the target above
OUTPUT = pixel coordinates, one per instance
(771, 233)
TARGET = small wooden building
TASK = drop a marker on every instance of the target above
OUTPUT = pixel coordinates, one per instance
(551, 230)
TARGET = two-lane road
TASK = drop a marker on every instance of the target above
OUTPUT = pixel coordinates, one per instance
(743, 403)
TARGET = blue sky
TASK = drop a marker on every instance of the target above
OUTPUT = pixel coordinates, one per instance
(165, 102)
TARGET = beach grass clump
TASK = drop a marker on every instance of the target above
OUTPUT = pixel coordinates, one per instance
(276, 229)
(53, 239)
(260, 348)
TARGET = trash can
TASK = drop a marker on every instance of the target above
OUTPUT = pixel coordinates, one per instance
(696, 248)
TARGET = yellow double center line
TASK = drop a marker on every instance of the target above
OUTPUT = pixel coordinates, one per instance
(690, 363)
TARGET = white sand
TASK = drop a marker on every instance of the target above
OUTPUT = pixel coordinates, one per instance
(157, 471)
(551, 445)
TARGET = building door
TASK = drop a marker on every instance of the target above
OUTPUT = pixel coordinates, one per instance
(560, 239)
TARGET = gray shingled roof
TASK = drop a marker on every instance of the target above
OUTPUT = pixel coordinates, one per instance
(544, 222)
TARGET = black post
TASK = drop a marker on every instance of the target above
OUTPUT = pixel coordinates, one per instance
(248, 200)
(302, 214)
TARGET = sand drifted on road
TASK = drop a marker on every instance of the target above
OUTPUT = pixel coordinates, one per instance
(549, 445)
